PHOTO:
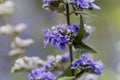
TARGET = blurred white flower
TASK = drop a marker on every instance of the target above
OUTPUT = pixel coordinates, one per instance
(89, 28)
(7, 7)
(58, 58)
(59, 61)
(20, 27)
(16, 52)
(26, 63)
(11, 31)
(7, 30)
(21, 43)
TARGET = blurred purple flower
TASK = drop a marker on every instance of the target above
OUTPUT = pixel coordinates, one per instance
(85, 63)
(46, 1)
(65, 57)
(85, 4)
(47, 36)
(41, 74)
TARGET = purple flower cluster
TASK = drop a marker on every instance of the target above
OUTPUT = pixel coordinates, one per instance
(60, 35)
(85, 4)
(41, 74)
(59, 5)
(85, 63)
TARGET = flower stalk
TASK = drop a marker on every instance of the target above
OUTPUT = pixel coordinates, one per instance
(70, 46)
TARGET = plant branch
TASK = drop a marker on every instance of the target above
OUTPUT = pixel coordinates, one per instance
(70, 46)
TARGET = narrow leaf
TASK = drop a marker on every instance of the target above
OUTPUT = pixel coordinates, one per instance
(67, 78)
(87, 48)
(78, 53)
(81, 31)
(83, 47)
(80, 74)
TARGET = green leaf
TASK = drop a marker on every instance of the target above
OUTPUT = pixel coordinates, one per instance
(81, 31)
(78, 53)
(67, 78)
(80, 73)
(83, 47)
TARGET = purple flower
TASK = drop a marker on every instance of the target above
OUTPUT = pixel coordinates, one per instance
(73, 28)
(47, 36)
(65, 57)
(62, 41)
(61, 35)
(94, 6)
(99, 67)
(75, 64)
(46, 1)
(85, 63)
(41, 74)
(85, 4)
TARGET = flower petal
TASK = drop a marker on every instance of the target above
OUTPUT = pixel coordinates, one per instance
(61, 46)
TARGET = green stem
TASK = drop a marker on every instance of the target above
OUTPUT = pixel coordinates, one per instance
(71, 58)
(70, 46)
(67, 14)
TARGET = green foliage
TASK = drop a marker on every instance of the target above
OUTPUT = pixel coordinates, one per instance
(78, 53)
(78, 43)
(83, 47)
(67, 78)
(80, 74)
(81, 31)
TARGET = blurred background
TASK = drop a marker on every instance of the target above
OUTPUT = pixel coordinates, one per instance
(105, 38)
